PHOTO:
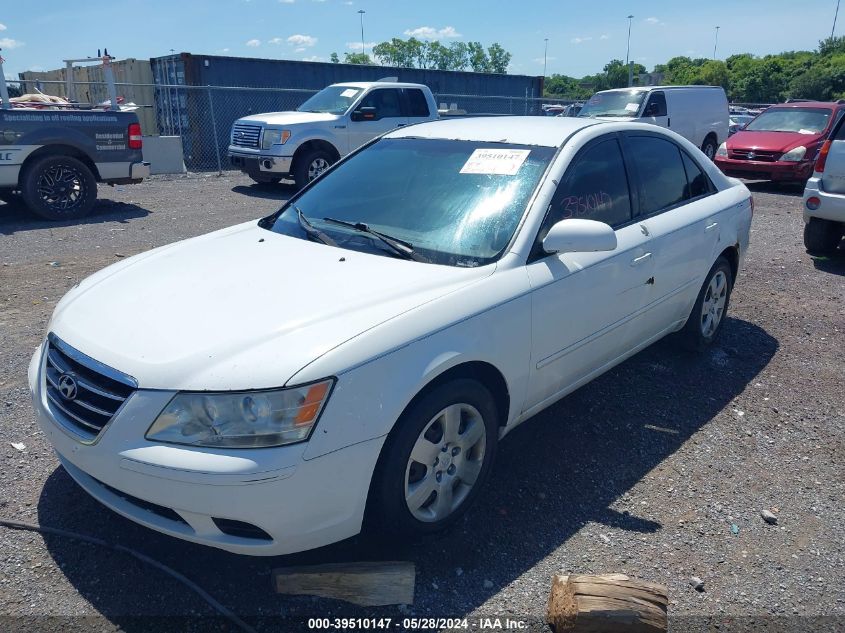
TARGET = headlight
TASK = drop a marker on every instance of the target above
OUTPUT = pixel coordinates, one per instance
(274, 137)
(795, 154)
(723, 150)
(244, 419)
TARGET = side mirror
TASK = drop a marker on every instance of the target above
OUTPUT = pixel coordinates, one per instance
(579, 236)
(366, 113)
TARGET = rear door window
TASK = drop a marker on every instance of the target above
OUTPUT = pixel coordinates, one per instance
(698, 184)
(595, 187)
(661, 176)
(417, 103)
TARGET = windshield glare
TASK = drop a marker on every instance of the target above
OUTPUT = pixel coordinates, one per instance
(331, 100)
(454, 202)
(614, 104)
(801, 120)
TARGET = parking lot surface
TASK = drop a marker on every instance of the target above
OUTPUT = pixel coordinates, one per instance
(658, 469)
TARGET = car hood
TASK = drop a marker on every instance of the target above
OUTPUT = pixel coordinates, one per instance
(770, 141)
(288, 118)
(240, 308)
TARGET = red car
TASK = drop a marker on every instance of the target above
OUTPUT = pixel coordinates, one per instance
(781, 143)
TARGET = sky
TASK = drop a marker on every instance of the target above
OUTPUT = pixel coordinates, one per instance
(582, 36)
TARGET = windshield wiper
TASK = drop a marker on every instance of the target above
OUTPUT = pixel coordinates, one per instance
(310, 230)
(401, 247)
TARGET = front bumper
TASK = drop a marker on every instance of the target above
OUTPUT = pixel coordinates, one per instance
(254, 163)
(832, 205)
(764, 170)
(277, 502)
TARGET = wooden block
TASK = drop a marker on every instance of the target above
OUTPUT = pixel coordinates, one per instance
(365, 584)
(612, 603)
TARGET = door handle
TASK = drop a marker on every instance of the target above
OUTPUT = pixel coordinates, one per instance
(400, 125)
(639, 260)
(710, 227)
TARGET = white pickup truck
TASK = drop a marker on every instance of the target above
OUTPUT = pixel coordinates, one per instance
(340, 118)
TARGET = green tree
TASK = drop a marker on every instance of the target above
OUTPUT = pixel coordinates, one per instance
(499, 58)
(334, 58)
(357, 58)
(478, 60)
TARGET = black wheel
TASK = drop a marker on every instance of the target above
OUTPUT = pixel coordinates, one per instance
(708, 313)
(59, 188)
(261, 179)
(310, 165)
(821, 237)
(435, 460)
(709, 147)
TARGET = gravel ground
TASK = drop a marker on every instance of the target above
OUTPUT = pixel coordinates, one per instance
(659, 469)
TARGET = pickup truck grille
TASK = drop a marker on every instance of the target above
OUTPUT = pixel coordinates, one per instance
(246, 135)
(754, 154)
(81, 396)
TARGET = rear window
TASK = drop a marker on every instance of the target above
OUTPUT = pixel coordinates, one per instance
(662, 177)
(417, 104)
(801, 120)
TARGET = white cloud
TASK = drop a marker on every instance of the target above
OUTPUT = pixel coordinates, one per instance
(253, 43)
(275, 40)
(302, 40)
(540, 60)
(430, 33)
(314, 58)
(224, 50)
(579, 40)
(286, 1)
(356, 46)
(604, 36)
(653, 20)
(2, 27)
(8, 42)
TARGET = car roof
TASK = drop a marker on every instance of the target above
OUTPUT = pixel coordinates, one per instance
(520, 130)
(649, 88)
(808, 104)
(384, 84)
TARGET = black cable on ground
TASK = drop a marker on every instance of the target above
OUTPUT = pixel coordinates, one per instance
(31, 527)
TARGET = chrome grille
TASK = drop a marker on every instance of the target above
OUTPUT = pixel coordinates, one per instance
(754, 154)
(83, 394)
(246, 135)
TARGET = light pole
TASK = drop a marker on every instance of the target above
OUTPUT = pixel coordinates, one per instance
(361, 12)
(716, 42)
(835, 15)
(545, 56)
(628, 54)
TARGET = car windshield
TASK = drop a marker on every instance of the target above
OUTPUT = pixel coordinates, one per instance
(801, 120)
(331, 100)
(450, 202)
(625, 103)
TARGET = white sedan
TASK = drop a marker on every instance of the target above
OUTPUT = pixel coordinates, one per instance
(359, 354)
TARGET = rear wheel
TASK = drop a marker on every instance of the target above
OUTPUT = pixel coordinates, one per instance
(708, 313)
(436, 460)
(59, 188)
(709, 147)
(821, 237)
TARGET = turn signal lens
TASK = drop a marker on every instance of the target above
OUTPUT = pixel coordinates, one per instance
(813, 203)
(822, 159)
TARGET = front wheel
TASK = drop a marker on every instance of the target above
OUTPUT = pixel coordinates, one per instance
(310, 165)
(708, 313)
(59, 188)
(436, 460)
(821, 237)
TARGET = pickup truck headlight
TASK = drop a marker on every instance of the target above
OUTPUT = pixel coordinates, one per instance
(274, 137)
(722, 151)
(244, 419)
(795, 154)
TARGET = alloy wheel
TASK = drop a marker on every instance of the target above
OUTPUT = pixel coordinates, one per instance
(60, 187)
(713, 306)
(317, 167)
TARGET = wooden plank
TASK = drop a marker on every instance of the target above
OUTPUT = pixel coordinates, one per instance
(366, 584)
(613, 603)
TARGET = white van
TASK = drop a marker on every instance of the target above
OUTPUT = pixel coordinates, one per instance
(698, 113)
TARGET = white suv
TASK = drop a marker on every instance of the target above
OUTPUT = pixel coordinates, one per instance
(340, 118)
(824, 196)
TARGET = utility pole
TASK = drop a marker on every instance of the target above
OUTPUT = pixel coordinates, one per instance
(628, 54)
(545, 56)
(361, 12)
(835, 15)
(716, 42)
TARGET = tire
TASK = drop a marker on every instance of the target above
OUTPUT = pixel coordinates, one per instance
(10, 197)
(265, 180)
(707, 316)
(310, 165)
(709, 147)
(59, 188)
(821, 237)
(407, 496)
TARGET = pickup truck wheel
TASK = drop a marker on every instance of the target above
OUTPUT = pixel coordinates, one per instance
(59, 188)
(821, 237)
(436, 460)
(311, 165)
(708, 314)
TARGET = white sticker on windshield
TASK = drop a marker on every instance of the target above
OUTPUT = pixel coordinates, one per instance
(349, 93)
(632, 107)
(496, 162)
